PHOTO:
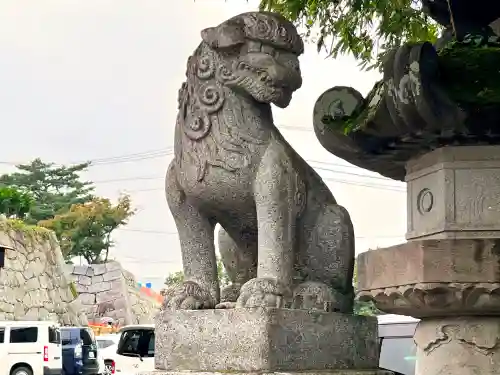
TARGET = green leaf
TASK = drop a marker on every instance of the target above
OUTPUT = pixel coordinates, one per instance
(364, 28)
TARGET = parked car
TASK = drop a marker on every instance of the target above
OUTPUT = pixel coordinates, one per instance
(397, 348)
(135, 350)
(79, 349)
(106, 352)
(30, 348)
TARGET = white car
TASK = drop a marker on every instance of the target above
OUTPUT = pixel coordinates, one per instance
(133, 352)
(30, 348)
(106, 352)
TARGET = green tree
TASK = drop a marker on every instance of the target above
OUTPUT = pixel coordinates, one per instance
(363, 308)
(85, 229)
(178, 276)
(174, 278)
(365, 28)
(14, 203)
(54, 188)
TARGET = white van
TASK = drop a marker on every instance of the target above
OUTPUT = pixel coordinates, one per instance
(135, 350)
(30, 348)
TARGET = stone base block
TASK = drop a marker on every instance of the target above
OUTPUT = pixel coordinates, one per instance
(453, 193)
(333, 372)
(264, 340)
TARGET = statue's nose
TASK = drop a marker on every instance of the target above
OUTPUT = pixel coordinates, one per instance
(284, 76)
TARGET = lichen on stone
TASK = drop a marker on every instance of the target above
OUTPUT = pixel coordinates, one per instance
(30, 231)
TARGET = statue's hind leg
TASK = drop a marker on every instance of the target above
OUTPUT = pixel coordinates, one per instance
(326, 260)
(240, 261)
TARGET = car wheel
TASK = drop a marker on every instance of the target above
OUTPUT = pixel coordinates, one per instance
(108, 367)
(21, 370)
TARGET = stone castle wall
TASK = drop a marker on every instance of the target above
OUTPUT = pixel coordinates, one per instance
(33, 282)
(107, 290)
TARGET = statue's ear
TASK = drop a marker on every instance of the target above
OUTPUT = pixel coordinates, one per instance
(227, 34)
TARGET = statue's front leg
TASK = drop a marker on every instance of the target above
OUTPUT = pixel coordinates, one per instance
(275, 191)
(200, 289)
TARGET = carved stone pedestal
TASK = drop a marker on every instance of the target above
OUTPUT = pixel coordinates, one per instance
(454, 287)
(264, 341)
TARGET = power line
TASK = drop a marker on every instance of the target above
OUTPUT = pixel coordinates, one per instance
(146, 231)
(353, 174)
(145, 155)
(119, 157)
(149, 231)
(297, 128)
(315, 167)
(128, 179)
(133, 159)
(346, 182)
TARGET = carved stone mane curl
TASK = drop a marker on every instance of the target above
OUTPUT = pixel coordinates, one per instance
(209, 122)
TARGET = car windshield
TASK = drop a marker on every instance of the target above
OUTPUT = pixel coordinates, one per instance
(67, 338)
(73, 336)
(398, 354)
(137, 342)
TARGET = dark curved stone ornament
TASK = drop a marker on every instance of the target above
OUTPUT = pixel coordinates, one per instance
(417, 107)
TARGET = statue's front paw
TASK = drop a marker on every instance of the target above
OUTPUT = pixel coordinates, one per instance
(226, 305)
(187, 296)
(230, 293)
(312, 295)
(263, 293)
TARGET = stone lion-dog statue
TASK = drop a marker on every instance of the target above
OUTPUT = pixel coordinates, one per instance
(285, 241)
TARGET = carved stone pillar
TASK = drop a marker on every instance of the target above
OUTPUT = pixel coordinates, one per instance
(448, 275)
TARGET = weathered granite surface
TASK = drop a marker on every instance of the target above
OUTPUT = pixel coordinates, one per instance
(33, 282)
(264, 339)
(107, 290)
(233, 167)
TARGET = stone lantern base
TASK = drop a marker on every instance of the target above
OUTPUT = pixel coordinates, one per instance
(453, 286)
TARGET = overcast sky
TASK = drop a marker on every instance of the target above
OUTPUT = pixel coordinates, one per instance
(98, 79)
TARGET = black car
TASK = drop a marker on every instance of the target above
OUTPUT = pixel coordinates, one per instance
(397, 348)
(79, 351)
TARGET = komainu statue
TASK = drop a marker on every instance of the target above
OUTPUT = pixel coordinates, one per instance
(285, 241)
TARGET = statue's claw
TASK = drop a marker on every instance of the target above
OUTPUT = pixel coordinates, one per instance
(187, 296)
(230, 293)
(263, 293)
